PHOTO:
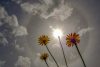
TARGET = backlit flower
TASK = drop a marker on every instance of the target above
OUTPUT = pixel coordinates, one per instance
(43, 40)
(44, 56)
(72, 39)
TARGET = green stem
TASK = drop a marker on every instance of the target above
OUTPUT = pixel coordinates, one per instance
(63, 51)
(46, 63)
(52, 56)
(80, 55)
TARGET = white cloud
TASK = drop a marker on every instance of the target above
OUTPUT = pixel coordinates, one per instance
(2, 63)
(84, 31)
(27, 7)
(12, 20)
(23, 62)
(47, 2)
(59, 13)
(3, 40)
(20, 31)
(35, 8)
(37, 59)
(3, 13)
(19, 48)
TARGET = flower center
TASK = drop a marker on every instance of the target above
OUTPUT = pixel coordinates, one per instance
(44, 41)
(73, 40)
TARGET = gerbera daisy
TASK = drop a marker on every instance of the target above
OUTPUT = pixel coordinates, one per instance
(43, 40)
(44, 56)
(72, 39)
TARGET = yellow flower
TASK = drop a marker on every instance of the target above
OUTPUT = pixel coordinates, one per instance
(43, 40)
(72, 39)
(44, 56)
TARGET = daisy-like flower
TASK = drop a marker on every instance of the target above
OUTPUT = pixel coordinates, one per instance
(72, 39)
(43, 40)
(44, 56)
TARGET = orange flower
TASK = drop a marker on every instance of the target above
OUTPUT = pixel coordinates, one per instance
(44, 56)
(43, 40)
(72, 39)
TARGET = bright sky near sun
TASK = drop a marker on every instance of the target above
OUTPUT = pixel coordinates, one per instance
(57, 32)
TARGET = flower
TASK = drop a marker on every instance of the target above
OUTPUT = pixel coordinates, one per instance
(43, 40)
(44, 56)
(72, 39)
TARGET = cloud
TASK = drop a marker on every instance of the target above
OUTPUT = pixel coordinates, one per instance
(3, 13)
(19, 48)
(3, 40)
(17, 1)
(37, 60)
(20, 31)
(5, 18)
(27, 7)
(2, 63)
(35, 8)
(9, 27)
(23, 62)
(47, 2)
(84, 31)
(1, 23)
(12, 20)
(62, 12)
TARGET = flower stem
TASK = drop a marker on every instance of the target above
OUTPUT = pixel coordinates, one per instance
(80, 55)
(52, 56)
(46, 63)
(63, 51)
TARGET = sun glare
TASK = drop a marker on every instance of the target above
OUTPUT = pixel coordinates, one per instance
(57, 32)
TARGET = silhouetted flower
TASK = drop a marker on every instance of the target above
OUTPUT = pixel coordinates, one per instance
(43, 40)
(44, 56)
(72, 39)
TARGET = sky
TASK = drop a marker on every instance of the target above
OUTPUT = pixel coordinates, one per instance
(23, 21)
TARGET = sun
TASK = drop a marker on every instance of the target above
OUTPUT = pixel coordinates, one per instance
(57, 32)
